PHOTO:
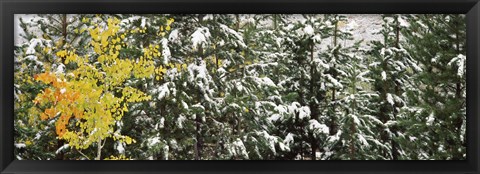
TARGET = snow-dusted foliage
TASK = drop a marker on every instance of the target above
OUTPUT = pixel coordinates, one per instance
(254, 86)
(437, 94)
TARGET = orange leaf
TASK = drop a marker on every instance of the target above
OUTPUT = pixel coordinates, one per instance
(43, 116)
(50, 112)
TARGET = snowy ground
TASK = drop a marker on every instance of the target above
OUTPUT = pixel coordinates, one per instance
(366, 23)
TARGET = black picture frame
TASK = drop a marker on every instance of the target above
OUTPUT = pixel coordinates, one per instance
(10, 7)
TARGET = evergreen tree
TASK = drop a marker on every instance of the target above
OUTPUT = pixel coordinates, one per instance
(437, 44)
(392, 67)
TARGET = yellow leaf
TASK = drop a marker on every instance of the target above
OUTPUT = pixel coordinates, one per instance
(65, 95)
(170, 21)
(85, 20)
(62, 54)
(128, 140)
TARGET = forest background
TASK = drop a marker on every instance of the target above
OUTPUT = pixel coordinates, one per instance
(222, 87)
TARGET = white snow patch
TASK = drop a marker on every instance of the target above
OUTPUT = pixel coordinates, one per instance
(20, 145)
(120, 148)
(459, 60)
(334, 81)
(355, 119)
(173, 35)
(208, 17)
(308, 30)
(271, 140)
(390, 99)
(390, 123)
(200, 37)
(239, 37)
(143, 23)
(288, 139)
(430, 119)
(35, 59)
(162, 123)
(421, 24)
(166, 51)
(153, 141)
(403, 23)
(318, 128)
(185, 105)
(241, 148)
(274, 117)
(351, 25)
(60, 69)
(180, 121)
(281, 109)
(362, 140)
(62, 148)
(33, 44)
(164, 91)
(37, 136)
(384, 75)
(265, 81)
(303, 112)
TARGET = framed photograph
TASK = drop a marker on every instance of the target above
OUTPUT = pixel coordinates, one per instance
(210, 86)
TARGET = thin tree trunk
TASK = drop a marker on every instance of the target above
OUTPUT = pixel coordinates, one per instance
(237, 16)
(397, 93)
(353, 129)
(198, 136)
(384, 108)
(313, 105)
(64, 28)
(60, 155)
(275, 22)
(314, 145)
(333, 124)
(99, 148)
(352, 144)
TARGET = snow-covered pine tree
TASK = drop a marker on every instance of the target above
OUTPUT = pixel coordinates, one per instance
(299, 76)
(392, 67)
(158, 124)
(266, 108)
(357, 138)
(436, 126)
(334, 58)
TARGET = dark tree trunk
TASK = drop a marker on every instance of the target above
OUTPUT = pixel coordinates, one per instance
(313, 106)
(397, 93)
(64, 28)
(333, 121)
(198, 136)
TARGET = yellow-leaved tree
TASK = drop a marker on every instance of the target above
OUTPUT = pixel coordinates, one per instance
(87, 101)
